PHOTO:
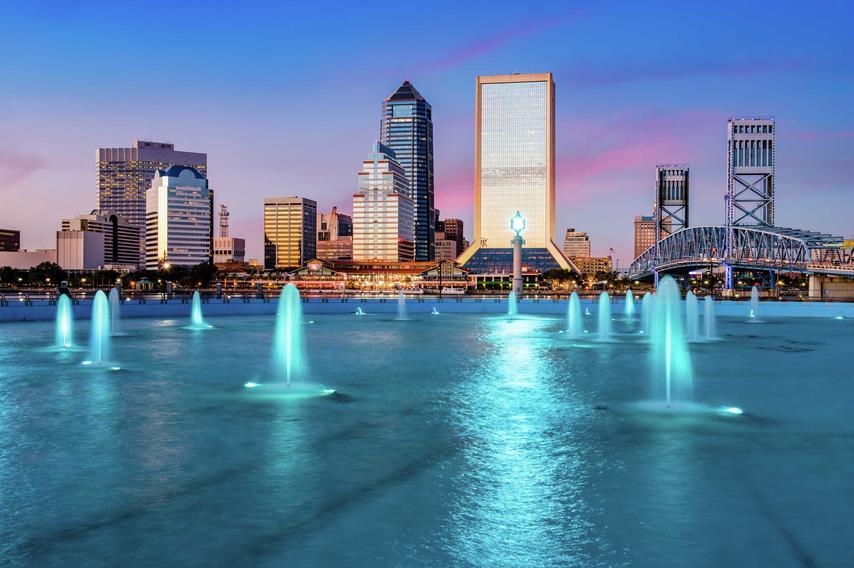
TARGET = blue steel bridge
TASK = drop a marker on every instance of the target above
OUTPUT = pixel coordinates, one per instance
(773, 249)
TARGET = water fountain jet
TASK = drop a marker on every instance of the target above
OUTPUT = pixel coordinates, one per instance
(115, 311)
(64, 322)
(604, 317)
(646, 313)
(99, 338)
(692, 317)
(512, 305)
(630, 304)
(754, 303)
(669, 357)
(401, 307)
(573, 317)
(709, 319)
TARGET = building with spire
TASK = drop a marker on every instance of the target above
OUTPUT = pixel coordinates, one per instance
(407, 129)
(514, 171)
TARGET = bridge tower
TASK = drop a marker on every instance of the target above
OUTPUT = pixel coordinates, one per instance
(751, 146)
(671, 199)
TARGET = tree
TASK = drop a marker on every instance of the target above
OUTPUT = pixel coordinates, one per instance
(46, 274)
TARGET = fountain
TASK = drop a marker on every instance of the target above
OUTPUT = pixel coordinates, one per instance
(99, 339)
(692, 317)
(287, 347)
(64, 322)
(646, 309)
(358, 311)
(604, 317)
(401, 307)
(586, 311)
(512, 305)
(573, 317)
(754, 302)
(115, 311)
(434, 311)
(709, 319)
(630, 303)
(670, 360)
(196, 319)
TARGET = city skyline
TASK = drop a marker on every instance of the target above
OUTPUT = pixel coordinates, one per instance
(619, 111)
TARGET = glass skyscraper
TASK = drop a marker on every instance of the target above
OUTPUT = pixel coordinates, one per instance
(407, 129)
(514, 171)
(290, 232)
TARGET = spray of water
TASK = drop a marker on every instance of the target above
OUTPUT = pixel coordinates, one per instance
(99, 336)
(64, 322)
(604, 317)
(670, 361)
(115, 311)
(646, 312)
(288, 356)
(711, 329)
(573, 317)
(512, 305)
(630, 304)
(401, 307)
(692, 317)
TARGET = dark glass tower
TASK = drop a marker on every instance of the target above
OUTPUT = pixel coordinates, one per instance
(407, 128)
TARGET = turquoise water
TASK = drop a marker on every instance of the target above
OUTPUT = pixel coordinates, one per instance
(454, 441)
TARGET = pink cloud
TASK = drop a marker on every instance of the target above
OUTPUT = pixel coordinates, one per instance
(16, 167)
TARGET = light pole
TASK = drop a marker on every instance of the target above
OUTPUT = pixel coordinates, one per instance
(517, 223)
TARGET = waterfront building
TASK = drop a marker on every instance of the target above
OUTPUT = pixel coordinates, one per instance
(514, 171)
(383, 225)
(100, 239)
(407, 129)
(751, 149)
(576, 243)
(179, 223)
(446, 249)
(125, 175)
(290, 232)
(26, 259)
(644, 233)
(10, 240)
(593, 264)
(338, 249)
(381, 275)
(670, 207)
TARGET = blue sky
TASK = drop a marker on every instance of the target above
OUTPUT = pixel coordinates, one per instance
(285, 99)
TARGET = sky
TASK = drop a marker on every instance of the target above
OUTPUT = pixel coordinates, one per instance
(285, 100)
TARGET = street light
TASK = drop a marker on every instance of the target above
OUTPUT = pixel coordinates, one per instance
(518, 223)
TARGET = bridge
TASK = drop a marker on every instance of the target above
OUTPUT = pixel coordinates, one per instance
(773, 249)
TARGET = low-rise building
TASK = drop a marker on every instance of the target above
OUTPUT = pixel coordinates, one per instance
(26, 259)
(593, 264)
(100, 239)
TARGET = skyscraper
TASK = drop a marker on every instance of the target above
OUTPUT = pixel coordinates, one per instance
(178, 227)
(125, 174)
(407, 129)
(514, 171)
(750, 171)
(383, 226)
(644, 233)
(453, 229)
(290, 232)
(576, 244)
(671, 198)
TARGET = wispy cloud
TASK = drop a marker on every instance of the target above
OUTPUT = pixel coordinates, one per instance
(588, 75)
(16, 166)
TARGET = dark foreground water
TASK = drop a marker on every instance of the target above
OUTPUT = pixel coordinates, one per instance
(454, 441)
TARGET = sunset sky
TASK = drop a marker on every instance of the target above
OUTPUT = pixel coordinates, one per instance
(285, 100)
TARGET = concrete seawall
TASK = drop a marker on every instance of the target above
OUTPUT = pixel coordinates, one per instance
(178, 309)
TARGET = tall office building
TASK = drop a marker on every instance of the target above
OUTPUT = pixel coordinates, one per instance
(750, 171)
(10, 240)
(407, 128)
(383, 223)
(514, 171)
(98, 239)
(290, 232)
(453, 229)
(125, 174)
(644, 233)
(576, 244)
(670, 208)
(179, 227)
(333, 225)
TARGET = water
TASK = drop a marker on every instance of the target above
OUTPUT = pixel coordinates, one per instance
(646, 309)
(99, 333)
(359, 312)
(64, 323)
(401, 307)
(754, 302)
(670, 362)
(711, 331)
(197, 321)
(288, 354)
(630, 304)
(461, 441)
(115, 311)
(573, 317)
(434, 311)
(512, 305)
(604, 317)
(692, 317)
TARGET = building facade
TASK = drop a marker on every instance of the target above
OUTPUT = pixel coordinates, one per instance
(454, 230)
(446, 249)
(407, 128)
(125, 175)
(333, 225)
(592, 265)
(576, 244)
(751, 148)
(10, 240)
(644, 233)
(514, 171)
(179, 218)
(383, 213)
(229, 249)
(290, 232)
(671, 205)
(26, 259)
(119, 243)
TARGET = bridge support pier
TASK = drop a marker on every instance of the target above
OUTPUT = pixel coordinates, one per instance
(655, 279)
(830, 288)
(728, 290)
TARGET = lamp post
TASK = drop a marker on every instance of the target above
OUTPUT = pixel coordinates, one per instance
(517, 223)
